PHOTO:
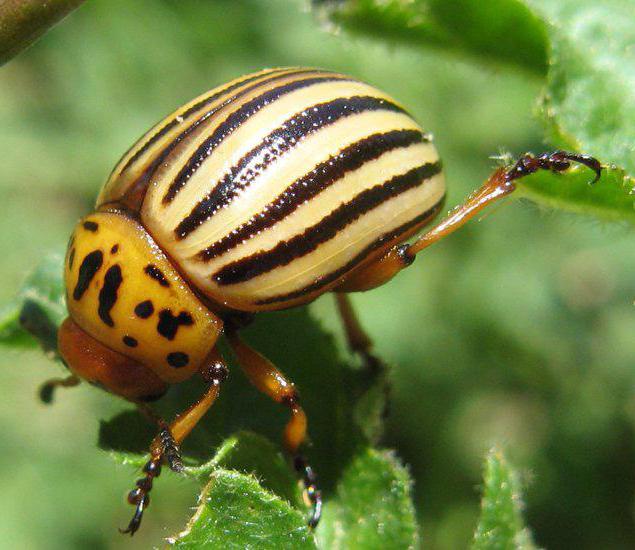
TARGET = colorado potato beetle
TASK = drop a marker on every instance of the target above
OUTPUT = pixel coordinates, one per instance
(262, 194)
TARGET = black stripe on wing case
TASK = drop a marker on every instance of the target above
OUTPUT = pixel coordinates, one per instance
(327, 228)
(277, 143)
(232, 123)
(185, 115)
(188, 132)
(340, 272)
(321, 177)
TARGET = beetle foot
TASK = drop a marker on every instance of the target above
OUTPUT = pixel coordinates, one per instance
(170, 449)
(558, 161)
(164, 447)
(140, 496)
(311, 491)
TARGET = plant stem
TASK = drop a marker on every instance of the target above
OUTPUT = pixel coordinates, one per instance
(24, 21)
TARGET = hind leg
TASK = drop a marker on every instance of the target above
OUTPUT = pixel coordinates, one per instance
(500, 184)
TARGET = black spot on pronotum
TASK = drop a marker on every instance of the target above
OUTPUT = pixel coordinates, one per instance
(108, 294)
(169, 324)
(178, 359)
(144, 309)
(154, 272)
(130, 341)
(71, 258)
(89, 267)
(114, 249)
(90, 226)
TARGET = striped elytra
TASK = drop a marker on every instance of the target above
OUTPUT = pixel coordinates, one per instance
(267, 191)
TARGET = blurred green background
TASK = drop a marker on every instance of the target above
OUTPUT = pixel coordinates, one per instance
(518, 330)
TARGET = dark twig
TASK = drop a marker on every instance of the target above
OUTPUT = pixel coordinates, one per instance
(22, 22)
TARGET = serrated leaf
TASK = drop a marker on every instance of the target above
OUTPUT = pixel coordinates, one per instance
(373, 506)
(236, 512)
(500, 525)
(590, 97)
(472, 27)
(38, 309)
(252, 453)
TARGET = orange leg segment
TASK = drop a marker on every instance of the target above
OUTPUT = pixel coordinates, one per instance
(269, 380)
(500, 184)
(166, 445)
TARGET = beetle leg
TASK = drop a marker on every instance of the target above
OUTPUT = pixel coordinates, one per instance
(48, 388)
(500, 184)
(358, 340)
(166, 446)
(270, 381)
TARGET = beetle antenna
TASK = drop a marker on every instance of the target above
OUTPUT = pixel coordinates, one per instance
(47, 389)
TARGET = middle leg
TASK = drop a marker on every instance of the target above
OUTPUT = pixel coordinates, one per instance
(270, 381)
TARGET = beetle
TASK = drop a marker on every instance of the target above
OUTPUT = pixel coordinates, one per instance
(261, 194)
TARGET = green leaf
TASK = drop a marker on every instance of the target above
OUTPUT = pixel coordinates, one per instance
(589, 102)
(373, 506)
(38, 309)
(236, 512)
(251, 499)
(252, 453)
(500, 525)
(503, 31)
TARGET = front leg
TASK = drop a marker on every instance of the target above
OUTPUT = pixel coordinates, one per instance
(166, 445)
(270, 381)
